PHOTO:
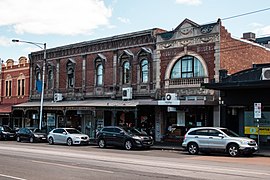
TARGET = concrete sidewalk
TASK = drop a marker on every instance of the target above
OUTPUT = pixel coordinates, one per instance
(263, 151)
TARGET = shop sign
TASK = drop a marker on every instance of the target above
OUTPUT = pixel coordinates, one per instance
(257, 110)
(254, 130)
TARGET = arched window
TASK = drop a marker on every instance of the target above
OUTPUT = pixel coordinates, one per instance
(50, 79)
(144, 71)
(9, 86)
(99, 75)
(21, 85)
(126, 73)
(70, 74)
(187, 67)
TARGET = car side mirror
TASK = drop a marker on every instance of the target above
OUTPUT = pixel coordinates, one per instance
(221, 135)
(65, 133)
(122, 132)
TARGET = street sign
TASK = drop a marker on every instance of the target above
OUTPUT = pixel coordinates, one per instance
(257, 110)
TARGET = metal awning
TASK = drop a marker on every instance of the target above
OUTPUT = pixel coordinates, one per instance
(4, 109)
(88, 103)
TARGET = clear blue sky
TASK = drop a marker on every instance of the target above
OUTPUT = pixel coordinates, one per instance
(62, 22)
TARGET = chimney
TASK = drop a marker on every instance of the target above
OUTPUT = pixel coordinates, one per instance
(249, 36)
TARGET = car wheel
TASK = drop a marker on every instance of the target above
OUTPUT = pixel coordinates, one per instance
(128, 145)
(233, 150)
(18, 139)
(51, 141)
(193, 148)
(31, 140)
(69, 142)
(102, 143)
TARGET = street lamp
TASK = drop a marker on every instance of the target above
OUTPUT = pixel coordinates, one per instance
(43, 75)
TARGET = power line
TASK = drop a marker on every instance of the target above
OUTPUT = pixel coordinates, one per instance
(253, 12)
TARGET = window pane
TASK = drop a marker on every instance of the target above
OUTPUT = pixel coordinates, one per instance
(144, 69)
(19, 87)
(99, 75)
(126, 73)
(176, 72)
(50, 79)
(23, 85)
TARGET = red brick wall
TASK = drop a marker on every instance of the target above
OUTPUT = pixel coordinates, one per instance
(15, 72)
(236, 55)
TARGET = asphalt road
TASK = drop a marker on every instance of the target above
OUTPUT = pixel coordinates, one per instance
(40, 161)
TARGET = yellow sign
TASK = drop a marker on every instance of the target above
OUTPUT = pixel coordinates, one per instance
(254, 130)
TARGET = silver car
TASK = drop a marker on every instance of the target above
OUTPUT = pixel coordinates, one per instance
(67, 136)
(217, 139)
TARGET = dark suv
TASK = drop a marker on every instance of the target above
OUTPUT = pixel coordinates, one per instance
(6, 133)
(124, 137)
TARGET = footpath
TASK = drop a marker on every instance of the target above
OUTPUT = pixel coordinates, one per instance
(263, 151)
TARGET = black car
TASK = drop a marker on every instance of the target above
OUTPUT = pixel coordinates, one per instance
(6, 133)
(31, 135)
(124, 137)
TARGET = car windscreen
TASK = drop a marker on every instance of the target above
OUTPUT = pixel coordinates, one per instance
(73, 131)
(134, 131)
(36, 131)
(7, 129)
(230, 133)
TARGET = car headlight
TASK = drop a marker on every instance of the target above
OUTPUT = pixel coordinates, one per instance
(136, 137)
(36, 135)
(244, 142)
(4, 132)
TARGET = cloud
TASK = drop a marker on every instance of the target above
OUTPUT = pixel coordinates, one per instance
(64, 17)
(189, 2)
(265, 31)
(124, 20)
(4, 41)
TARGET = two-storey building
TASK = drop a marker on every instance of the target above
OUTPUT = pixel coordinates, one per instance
(149, 79)
(14, 89)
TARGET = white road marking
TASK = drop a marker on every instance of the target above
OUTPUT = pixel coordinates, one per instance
(12, 177)
(73, 167)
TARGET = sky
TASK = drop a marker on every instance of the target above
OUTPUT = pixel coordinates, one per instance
(63, 22)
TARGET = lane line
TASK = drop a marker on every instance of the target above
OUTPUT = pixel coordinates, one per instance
(73, 167)
(12, 177)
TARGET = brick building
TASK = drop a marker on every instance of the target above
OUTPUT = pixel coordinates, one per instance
(14, 88)
(150, 79)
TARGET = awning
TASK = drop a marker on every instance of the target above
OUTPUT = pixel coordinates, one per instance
(4, 109)
(88, 103)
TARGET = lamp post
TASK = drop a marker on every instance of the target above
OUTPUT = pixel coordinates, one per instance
(43, 75)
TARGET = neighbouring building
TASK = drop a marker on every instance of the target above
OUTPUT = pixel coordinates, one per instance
(245, 101)
(149, 79)
(14, 89)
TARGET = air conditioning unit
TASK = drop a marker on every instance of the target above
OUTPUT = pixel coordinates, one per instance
(57, 97)
(127, 93)
(266, 73)
(170, 96)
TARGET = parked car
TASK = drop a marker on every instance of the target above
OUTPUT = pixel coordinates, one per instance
(217, 139)
(31, 135)
(67, 136)
(124, 137)
(6, 133)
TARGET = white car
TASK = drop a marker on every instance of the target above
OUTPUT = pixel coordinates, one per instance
(217, 139)
(69, 136)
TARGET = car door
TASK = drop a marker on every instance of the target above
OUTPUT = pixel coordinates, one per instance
(119, 136)
(216, 141)
(62, 136)
(56, 135)
(109, 135)
(201, 137)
